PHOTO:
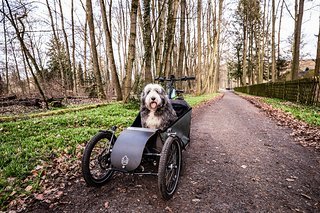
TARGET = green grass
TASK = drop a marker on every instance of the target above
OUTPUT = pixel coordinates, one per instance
(26, 143)
(308, 114)
(195, 100)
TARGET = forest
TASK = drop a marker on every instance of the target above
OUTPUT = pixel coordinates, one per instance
(110, 49)
(82, 65)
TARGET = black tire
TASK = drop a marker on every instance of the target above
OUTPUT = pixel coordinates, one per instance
(96, 163)
(169, 167)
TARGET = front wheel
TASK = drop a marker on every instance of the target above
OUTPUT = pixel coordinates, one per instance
(169, 167)
(96, 161)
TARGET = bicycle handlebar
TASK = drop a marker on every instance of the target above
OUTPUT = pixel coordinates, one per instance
(172, 78)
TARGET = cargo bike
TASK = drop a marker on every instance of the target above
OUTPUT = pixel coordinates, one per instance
(142, 151)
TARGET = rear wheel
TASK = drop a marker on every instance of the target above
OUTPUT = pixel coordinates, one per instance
(169, 167)
(96, 161)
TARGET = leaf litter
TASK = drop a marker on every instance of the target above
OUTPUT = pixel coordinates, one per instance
(54, 178)
(306, 134)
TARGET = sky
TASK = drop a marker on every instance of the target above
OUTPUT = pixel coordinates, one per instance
(310, 25)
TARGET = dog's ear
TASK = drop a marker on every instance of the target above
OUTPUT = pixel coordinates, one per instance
(142, 97)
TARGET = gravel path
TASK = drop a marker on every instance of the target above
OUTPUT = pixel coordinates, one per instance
(238, 161)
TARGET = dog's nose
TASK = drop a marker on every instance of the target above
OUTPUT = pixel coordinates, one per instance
(153, 98)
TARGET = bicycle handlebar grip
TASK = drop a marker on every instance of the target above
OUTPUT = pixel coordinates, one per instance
(161, 79)
(191, 78)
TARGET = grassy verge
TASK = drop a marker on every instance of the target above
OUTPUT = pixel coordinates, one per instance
(308, 114)
(24, 144)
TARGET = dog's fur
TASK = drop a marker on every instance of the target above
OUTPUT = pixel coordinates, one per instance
(156, 111)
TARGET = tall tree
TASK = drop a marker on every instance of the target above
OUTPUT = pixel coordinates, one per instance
(279, 33)
(112, 64)
(273, 48)
(317, 67)
(94, 52)
(199, 73)
(127, 81)
(159, 36)
(169, 37)
(5, 51)
(74, 70)
(66, 41)
(217, 54)
(182, 39)
(147, 41)
(299, 5)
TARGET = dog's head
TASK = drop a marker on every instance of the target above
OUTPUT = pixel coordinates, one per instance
(153, 97)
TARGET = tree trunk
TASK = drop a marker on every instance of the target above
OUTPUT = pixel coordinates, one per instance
(317, 67)
(182, 40)
(5, 52)
(147, 41)
(115, 78)
(74, 69)
(273, 51)
(25, 69)
(244, 54)
(297, 38)
(127, 81)
(279, 31)
(159, 37)
(94, 52)
(168, 45)
(85, 41)
(199, 72)
(69, 82)
(217, 54)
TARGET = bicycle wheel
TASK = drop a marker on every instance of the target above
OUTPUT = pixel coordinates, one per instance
(96, 162)
(169, 167)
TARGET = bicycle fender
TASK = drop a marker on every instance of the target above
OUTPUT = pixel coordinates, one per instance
(128, 149)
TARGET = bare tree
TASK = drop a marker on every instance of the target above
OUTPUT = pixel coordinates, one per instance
(127, 81)
(20, 31)
(199, 73)
(73, 46)
(299, 5)
(317, 67)
(273, 51)
(159, 36)
(94, 53)
(66, 43)
(182, 39)
(5, 51)
(115, 78)
(169, 37)
(217, 49)
(147, 41)
(279, 33)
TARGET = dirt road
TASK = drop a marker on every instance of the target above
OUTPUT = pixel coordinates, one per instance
(239, 161)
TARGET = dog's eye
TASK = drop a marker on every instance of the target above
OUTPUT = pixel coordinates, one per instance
(148, 91)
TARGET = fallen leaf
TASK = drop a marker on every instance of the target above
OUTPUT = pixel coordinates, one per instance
(289, 179)
(28, 188)
(168, 209)
(106, 204)
(39, 197)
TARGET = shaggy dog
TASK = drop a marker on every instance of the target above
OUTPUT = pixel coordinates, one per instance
(156, 111)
